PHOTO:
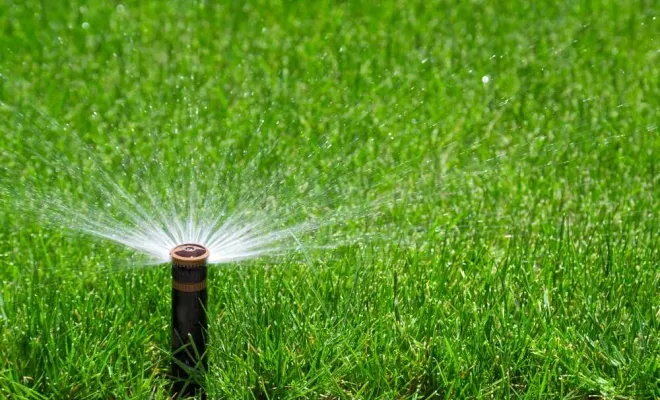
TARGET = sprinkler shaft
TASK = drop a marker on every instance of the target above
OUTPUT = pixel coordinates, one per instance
(189, 322)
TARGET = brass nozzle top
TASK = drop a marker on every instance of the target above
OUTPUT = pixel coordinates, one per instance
(189, 255)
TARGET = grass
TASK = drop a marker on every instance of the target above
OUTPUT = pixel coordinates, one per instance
(519, 255)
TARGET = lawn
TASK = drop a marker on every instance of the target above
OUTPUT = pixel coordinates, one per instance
(485, 175)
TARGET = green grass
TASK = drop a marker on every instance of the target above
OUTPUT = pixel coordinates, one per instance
(520, 257)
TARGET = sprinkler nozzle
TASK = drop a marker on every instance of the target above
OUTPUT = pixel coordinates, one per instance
(189, 322)
(189, 255)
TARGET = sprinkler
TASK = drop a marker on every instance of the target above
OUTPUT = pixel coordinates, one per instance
(189, 321)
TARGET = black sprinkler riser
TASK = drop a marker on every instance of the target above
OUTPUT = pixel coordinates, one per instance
(189, 321)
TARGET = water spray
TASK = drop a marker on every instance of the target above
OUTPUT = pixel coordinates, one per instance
(189, 322)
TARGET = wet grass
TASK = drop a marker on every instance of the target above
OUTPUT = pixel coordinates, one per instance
(512, 146)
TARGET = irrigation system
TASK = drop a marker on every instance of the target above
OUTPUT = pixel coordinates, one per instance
(189, 322)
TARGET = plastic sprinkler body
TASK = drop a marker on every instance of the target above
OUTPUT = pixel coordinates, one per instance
(189, 322)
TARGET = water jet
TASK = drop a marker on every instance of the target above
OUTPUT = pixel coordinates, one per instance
(189, 321)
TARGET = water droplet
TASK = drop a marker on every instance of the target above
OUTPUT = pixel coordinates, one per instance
(85, 25)
(485, 79)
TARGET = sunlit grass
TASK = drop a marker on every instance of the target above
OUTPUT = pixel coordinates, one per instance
(497, 163)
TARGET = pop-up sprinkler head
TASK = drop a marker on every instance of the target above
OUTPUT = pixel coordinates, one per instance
(189, 321)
